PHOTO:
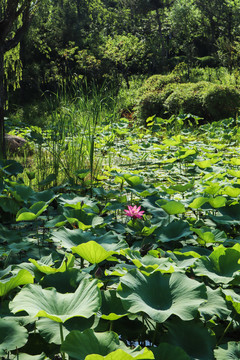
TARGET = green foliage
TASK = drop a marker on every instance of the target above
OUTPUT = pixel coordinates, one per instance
(204, 99)
(109, 287)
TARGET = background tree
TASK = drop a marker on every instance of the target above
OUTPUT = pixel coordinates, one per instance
(15, 17)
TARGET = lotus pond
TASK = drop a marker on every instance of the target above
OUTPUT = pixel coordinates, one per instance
(141, 262)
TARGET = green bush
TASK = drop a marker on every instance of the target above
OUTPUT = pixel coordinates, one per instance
(222, 102)
(188, 98)
(205, 99)
(158, 82)
(153, 102)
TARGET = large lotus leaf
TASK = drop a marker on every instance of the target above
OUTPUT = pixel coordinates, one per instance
(234, 173)
(111, 241)
(217, 201)
(212, 189)
(80, 344)
(231, 191)
(66, 264)
(92, 252)
(149, 262)
(12, 336)
(205, 236)
(161, 296)
(7, 235)
(234, 298)
(182, 188)
(133, 180)
(122, 355)
(21, 192)
(229, 351)
(8, 204)
(10, 167)
(33, 212)
(66, 281)
(198, 202)
(82, 218)
(215, 306)
(49, 329)
(192, 336)
(206, 163)
(166, 351)
(221, 266)
(233, 211)
(71, 200)
(69, 238)
(174, 231)
(21, 278)
(45, 195)
(112, 308)
(235, 161)
(171, 207)
(59, 307)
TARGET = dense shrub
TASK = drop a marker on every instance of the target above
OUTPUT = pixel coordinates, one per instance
(222, 102)
(205, 99)
(188, 98)
(158, 82)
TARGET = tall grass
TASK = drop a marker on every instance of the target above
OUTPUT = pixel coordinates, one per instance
(68, 143)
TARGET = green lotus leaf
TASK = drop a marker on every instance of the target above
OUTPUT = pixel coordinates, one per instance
(192, 336)
(206, 163)
(182, 188)
(69, 238)
(234, 173)
(21, 278)
(215, 306)
(212, 189)
(229, 351)
(174, 231)
(84, 219)
(198, 202)
(122, 355)
(233, 211)
(204, 235)
(171, 207)
(235, 161)
(8, 204)
(221, 266)
(161, 296)
(112, 308)
(92, 252)
(231, 191)
(234, 298)
(49, 329)
(33, 212)
(217, 201)
(12, 336)
(10, 167)
(166, 351)
(80, 344)
(59, 307)
(21, 192)
(66, 264)
(133, 180)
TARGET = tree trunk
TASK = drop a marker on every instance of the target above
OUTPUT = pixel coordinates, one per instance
(2, 106)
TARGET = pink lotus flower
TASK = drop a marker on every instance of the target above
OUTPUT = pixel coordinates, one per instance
(134, 212)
